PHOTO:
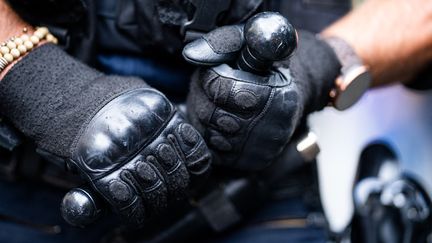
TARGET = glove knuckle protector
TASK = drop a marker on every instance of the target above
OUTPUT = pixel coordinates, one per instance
(252, 117)
(136, 150)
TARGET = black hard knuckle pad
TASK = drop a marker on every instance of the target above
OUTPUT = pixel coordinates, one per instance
(120, 129)
(128, 125)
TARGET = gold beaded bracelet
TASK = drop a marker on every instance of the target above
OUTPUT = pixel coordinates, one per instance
(16, 47)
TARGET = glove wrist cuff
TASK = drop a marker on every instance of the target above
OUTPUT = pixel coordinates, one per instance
(315, 67)
(354, 78)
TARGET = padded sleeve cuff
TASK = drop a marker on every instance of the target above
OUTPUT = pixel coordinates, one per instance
(49, 96)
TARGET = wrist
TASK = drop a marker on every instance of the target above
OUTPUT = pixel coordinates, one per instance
(16, 47)
(10, 25)
(354, 78)
(315, 68)
(389, 36)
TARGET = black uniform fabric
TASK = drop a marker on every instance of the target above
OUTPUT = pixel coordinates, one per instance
(311, 15)
(49, 95)
(153, 27)
(63, 13)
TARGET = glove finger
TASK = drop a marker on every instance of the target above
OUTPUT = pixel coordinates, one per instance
(200, 108)
(176, 174)
(123, 198)
(149, 184)
(221, 45)
(193, 149)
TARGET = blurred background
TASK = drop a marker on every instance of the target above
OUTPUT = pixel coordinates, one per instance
(397, 115)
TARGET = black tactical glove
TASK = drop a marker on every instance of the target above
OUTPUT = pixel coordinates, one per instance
(247, 119)
(124, 137)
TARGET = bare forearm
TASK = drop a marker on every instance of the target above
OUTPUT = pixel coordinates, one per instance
(392, 37)
(10, 25)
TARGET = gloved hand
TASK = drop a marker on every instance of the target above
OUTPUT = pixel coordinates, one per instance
(125, 138)
(247, 119)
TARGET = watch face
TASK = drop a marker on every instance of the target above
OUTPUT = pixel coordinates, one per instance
(355, 83)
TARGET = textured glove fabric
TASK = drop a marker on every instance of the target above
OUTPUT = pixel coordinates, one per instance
(125, 138)
(247, 119)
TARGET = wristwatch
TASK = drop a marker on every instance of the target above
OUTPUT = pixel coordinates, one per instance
(354, 79)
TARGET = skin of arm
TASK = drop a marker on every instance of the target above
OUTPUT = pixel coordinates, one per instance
(392, 37)
(10, 25)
